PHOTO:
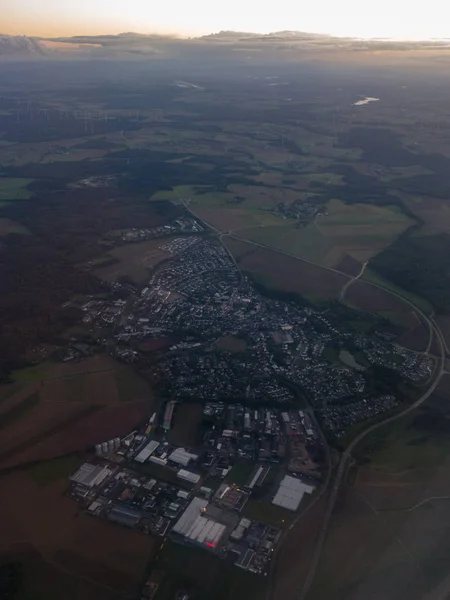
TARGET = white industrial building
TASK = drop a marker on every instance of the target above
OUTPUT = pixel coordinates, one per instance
(290, 493)
(259, 470)
(196, 528)
(181, 457)
(188, 476)
(146, 452)
(91, 475)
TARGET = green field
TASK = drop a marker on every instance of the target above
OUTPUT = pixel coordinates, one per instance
(240, 472)
(305, 242)
(405, 444)
(14, 189)
(203, 575)
(359, 230)
(266, 512)
(421, 303)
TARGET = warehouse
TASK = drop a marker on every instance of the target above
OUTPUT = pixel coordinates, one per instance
(124, 515)
(168, 414)
(146, 452)
(290, 493)
(91, 475)
(188, 476)
(197, 529)
(181, 457)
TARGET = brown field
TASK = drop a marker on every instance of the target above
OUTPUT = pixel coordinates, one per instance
(231, 343)
(349, 265)
(415, 339)
(362, 558)
(292, 562)
(185, 430)
(69, 407)
(67, 554)
(135, 260)
(444, 324)
(391, 531)
(9, 226)
(277, 271)
(366, 297)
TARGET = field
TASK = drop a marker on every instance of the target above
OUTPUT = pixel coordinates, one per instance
(231, 343)
(63, 408)
(204, 575)
(9, 226)
(365, 297)
(64, 552)
(14, 189)
(293, 559)
(355, 230)
(134, 260)
(278, 272)
(389, 533)
(186, 425)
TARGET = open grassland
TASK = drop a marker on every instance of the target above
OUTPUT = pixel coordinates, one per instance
(278, 272)
(79, 557)
(14, 189)
(134, 260)
(357, 231)
(65, 408)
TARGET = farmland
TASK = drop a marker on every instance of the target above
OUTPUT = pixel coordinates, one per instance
(186, 425)
(64, 408)
(14, 188)
(133, 260)
(276, 271)
(355, 230)
(67, 545)
(194, 569)
(394, 517)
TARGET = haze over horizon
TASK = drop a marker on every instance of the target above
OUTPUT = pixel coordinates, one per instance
(352, 18)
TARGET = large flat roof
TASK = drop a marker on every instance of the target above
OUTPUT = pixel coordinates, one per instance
(147, 451)
(291, 492)
(187, 519)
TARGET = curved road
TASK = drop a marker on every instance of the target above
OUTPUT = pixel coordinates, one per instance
(347, 454)
(351, 282)
(433, 328)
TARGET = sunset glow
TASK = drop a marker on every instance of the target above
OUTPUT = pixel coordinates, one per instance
(385, 18)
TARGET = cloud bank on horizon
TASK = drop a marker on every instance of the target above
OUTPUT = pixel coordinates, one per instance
(401, 19)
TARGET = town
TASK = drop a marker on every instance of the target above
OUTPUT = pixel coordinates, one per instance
(214, 336)
(273, 378)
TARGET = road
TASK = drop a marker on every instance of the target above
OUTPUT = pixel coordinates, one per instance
(351, 282)
(343, 464)
(342, 468)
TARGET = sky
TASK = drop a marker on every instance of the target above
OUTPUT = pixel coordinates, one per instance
(403, 19)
